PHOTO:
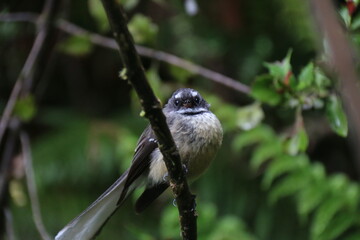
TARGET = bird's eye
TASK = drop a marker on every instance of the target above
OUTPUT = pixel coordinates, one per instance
(177, 102)
(197, 100)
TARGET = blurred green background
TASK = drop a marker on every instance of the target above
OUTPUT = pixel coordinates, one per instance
(84, 121)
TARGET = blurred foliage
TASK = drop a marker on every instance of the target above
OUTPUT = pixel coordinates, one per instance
(265, 182)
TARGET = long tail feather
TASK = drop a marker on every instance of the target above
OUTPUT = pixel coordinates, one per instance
(90, 222)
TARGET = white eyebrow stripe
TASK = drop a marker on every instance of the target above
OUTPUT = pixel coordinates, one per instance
(178, 95)
(194, 93)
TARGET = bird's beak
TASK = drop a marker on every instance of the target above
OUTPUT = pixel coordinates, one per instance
(188, 104)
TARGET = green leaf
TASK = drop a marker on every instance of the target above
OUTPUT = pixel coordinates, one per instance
(97, 11)
(281, 165)
(321, 80)
(76, 45)
(265, 151)
(324, 214)
(250, 116)
(263, 90)
(253, 136)
(338, 183)
(336, 116)
(25, 108)
(355, 24)
(142, 29)
(309, 198)
(291, 184)
(306, 77)
(297, 143)
(352, 195)
(344, 13)
(338, 225)
(279, 70)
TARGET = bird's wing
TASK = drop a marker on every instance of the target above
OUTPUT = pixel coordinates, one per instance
(142, 158)
(141, 163)
(89, 223)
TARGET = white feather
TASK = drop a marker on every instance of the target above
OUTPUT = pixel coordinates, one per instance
(89, 222)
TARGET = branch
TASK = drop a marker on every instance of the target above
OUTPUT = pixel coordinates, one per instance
(5, 164)
(10, 233)
(22, 87)
(341, 60)
(30, 179)
(134, 73)
(24, 81)
(97, 39)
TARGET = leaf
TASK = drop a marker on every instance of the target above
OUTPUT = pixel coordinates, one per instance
(97, 11)
(250, 116)
(263, 90)
(290, 184)
(76, 45)
(282, 165)
(321, 80)
(306, 77)
(352, 195)
(344, 13)
(279, 70)
(355, 24)
(25, 108)
(142, 29)
(338, 183)
(265, 151)
(324, 214)
(255, 135)
(338, 225)
(297, 143)
(311, 196)
(336, 116)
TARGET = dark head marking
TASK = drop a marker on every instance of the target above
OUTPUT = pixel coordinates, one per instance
(187, 101)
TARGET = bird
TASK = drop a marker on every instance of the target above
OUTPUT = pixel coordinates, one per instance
(198, 135)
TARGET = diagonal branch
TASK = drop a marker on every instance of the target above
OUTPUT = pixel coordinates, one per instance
(134, 73)
(30, 179)
(100, 40)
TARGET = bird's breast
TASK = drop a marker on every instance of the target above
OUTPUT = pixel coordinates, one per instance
(197, 137)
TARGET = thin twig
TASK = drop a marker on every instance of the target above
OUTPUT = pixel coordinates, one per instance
(10, 233)
(19, 17)
(341, 60)
(24, 81)
(134, 73)
(30, 180)
(6, 158)
(97, 39)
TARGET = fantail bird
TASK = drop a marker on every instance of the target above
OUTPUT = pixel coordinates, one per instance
(197, 134)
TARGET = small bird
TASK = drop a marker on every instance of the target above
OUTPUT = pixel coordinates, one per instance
(197, 134)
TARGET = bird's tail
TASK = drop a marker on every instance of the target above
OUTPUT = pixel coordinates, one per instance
(89, 223)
